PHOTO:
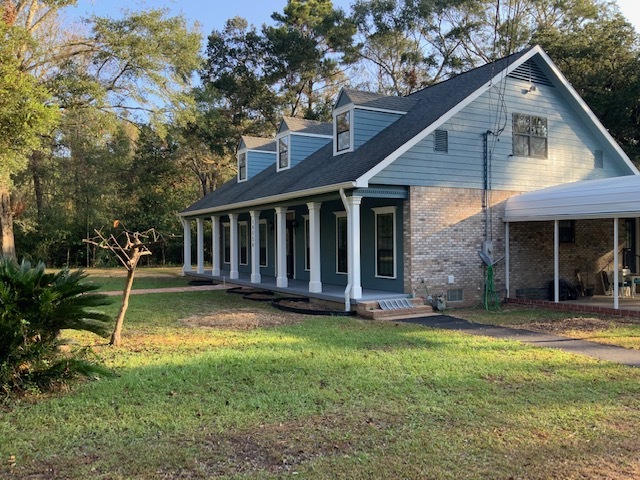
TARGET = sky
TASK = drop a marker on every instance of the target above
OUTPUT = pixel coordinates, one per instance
(212, 14)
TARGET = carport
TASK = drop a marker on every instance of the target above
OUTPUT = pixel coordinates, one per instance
(611, 198)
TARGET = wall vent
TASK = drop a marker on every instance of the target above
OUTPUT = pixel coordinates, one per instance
(441, 141)
(530, 72)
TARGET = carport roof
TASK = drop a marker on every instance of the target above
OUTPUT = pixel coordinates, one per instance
(617, 197)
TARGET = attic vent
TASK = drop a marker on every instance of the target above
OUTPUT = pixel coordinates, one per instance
(598, 159)
(441, 141)
(529, 71)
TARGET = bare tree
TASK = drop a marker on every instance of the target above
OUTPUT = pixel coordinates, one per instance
(128, 247)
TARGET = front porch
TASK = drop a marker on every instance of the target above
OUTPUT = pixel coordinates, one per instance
(329, 293)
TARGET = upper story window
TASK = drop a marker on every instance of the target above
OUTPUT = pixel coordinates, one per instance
(343, 131)
(529, 135)
(283, 152)
(242, 166)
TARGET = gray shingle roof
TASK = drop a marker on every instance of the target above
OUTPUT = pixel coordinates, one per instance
(259, 143)
(322, 168)
(382, 102)
(301, 125)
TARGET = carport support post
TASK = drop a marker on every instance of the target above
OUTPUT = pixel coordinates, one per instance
(215, 245)
(281, 242)
(616, 304)
(315, 282)
(233, 227)
(255, 246)
(200, 244)
(556, 261)
(507, 258)
(186, 266)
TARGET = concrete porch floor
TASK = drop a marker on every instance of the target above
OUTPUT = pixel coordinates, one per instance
(330, 293)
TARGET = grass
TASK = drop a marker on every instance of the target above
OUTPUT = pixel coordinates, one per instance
(113, 279)
(592, 327)
(324, 398)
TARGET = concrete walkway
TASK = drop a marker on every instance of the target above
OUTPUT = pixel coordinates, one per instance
(609, 353)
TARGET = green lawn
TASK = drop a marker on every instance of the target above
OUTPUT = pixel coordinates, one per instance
(324, 398)
(111, 279)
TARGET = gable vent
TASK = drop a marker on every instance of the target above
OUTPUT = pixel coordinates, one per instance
(529, 71)
(441, 141)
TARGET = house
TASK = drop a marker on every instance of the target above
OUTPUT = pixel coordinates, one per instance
(398, 196)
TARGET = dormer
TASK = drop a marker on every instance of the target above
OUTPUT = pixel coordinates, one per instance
(254, 155)
(359, 116)
(298, 138)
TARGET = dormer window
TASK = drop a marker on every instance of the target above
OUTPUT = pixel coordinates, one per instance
(242, 166)
(343, 131)
(283, 152)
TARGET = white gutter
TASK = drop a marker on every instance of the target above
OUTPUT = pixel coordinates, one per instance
(347, 290)
(267, 200)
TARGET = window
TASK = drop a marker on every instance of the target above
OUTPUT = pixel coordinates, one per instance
(441, 141)
(307, 248)
(283, 153)
(341, 242)
(262, 229)
(242, 166)
(385, 242)
(343, 131)
(226, 242)
(567, 231)
(529, 135)
(243, 237)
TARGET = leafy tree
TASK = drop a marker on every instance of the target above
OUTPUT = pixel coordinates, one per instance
(26, 114)
(35, 306)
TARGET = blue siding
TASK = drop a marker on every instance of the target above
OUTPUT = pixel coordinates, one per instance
(572, 142)
(368, 124)
(302, 146)
(258, 161)
(342, 101)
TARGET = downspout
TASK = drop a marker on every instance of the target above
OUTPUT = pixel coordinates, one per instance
(347, 290)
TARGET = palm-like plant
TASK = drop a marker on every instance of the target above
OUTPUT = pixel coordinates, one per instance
(34, 307)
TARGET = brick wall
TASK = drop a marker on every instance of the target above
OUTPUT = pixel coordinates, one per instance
(531, 248)
(444, 230)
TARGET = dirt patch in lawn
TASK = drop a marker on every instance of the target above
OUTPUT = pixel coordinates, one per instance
(573, 324)
(242, 319)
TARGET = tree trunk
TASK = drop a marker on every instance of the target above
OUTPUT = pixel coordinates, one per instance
(7, 241)
(36, 172)
(117, 331)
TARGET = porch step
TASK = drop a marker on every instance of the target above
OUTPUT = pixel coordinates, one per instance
(394, 309)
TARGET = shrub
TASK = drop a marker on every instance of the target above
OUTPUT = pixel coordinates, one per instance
(34, 307)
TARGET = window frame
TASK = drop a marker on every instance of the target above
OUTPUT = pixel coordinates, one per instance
(307, 244)
(242, 154)
(342, 216)
(529, 135)
(286, 140)
(263, 238)
(386, 211)
(349, 111)
(226, 242)
(243, 226)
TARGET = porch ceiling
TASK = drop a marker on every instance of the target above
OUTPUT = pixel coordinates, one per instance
(617, 197)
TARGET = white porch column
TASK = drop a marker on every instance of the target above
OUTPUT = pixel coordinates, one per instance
(255, 246)
(233, 227)
(315, 278)
(186, 266)
(215, 245)
(353, 246)
(200, 245)
(507, 259)
(556, 261)
(616, 267)
(281, 242)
